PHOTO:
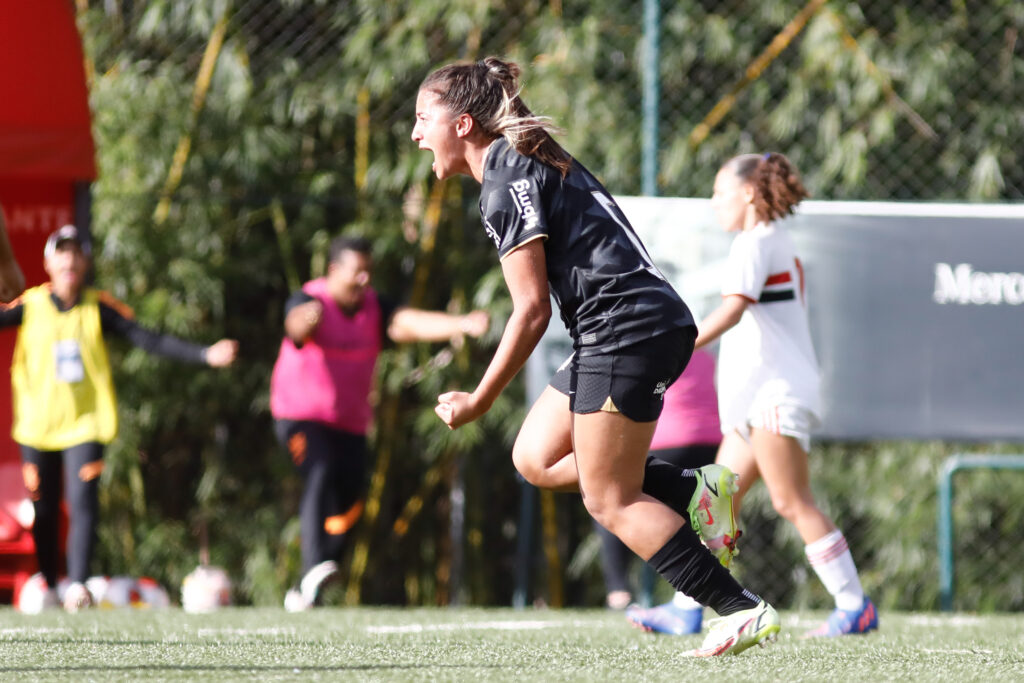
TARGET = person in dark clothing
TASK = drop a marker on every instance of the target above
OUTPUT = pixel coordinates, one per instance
(559, 233)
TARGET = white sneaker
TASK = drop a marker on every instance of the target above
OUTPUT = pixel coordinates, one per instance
(315, 579)
(35, 596)
(294, 602)
(77, 597)
(304, 597)
(735, 633)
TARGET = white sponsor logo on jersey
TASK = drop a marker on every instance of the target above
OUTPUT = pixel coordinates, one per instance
(492, 233)
(962, 285)
(522, 200)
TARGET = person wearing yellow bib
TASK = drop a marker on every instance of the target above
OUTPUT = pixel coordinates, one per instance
(65, 409)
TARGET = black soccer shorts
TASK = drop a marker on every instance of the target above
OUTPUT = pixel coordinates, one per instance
(631, 380)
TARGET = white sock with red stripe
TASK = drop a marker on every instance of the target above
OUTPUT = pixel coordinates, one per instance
(831, 560)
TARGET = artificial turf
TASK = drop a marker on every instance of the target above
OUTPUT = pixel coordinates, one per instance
(483, 644)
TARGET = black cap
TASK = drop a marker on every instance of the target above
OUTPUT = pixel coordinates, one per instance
(67, 233)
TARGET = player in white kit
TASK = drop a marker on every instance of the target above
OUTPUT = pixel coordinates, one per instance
(768, 383)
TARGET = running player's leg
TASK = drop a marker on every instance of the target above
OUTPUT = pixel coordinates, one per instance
(682, 615)
(735, 453)
(610, 452)
(309, 448)
(348, 473)
(83, 464)
(669, 473)
(312, 452)
(543, 449)
(784, 466)
(41, 472)
(617, 400)
(316, 496)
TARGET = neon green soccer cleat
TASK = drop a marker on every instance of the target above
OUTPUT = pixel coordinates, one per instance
(711, 513)
(735, 633)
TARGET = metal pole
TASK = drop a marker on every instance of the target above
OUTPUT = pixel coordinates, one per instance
(524, 544)
(536, 380)
(949, 468)
(651, 96)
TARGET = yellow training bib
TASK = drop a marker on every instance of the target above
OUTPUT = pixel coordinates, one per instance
(60, 375)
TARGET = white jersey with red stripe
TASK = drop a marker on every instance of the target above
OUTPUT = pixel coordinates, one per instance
(767, 359)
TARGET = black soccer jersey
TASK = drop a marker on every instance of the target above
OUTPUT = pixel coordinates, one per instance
(608, 291)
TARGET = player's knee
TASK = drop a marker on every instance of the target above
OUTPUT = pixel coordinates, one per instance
(528, 463)
(790, 508)
(605, 509)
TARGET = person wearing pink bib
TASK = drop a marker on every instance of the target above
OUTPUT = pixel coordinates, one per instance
(335, 327)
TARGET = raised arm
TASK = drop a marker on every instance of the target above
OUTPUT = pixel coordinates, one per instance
(526, 276)
(414, 324)
(218, 355)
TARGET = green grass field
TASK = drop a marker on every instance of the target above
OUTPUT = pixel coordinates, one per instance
(482, 644)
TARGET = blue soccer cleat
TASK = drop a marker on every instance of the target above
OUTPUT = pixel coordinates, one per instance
(848, 622)
(667, 618)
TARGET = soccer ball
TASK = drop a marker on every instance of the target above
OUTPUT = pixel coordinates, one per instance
(205, 589)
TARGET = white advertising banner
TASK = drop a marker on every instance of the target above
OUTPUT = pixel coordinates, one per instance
(917, 310)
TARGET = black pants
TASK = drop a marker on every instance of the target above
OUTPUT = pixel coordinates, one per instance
(81, 465)
(615, 556)
(333, 468)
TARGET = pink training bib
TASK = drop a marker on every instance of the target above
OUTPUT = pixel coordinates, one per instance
(328, 379)
(690, 414)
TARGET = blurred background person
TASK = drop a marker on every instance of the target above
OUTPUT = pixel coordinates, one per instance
(320, 393)
(768, 379)
(12, 281)
(65, 408)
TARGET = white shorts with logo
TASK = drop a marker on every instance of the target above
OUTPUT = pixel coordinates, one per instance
(786, 420)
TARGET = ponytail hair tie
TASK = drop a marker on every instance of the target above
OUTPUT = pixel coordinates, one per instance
(766, 156)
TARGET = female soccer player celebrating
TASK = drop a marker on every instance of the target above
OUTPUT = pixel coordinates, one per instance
(558, 232)
(768, 373)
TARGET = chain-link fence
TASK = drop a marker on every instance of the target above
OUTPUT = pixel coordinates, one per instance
(297, 114)
(874, 100)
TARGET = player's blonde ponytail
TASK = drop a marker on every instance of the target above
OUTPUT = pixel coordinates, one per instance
(488, 91)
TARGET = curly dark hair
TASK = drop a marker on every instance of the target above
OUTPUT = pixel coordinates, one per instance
(776, 182)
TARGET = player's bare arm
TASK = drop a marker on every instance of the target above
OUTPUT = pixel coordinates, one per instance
(526, 276)
(414, 324)
(721, 319)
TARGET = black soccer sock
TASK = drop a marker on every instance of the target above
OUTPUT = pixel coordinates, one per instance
(668, 484)
(692, 569)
